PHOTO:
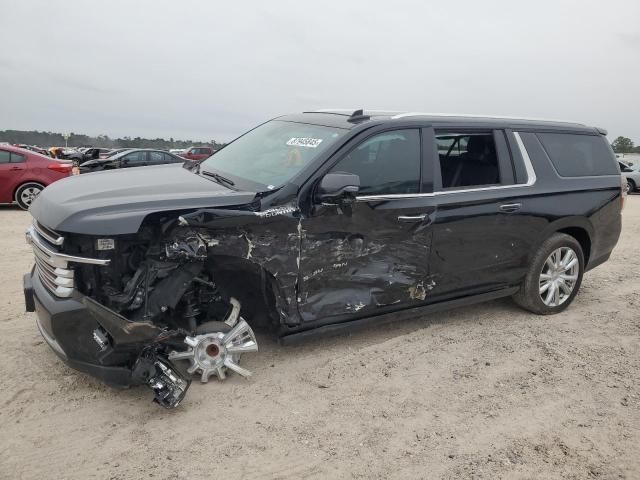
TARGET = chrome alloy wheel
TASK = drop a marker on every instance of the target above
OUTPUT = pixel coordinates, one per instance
(28, 195)
(559, 276)
(216, 352)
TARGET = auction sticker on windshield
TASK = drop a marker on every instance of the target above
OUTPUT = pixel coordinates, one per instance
(304, 142)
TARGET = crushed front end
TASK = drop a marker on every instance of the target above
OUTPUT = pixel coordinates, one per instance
(129, 309)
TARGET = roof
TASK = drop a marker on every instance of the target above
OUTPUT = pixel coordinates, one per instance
(340, 118)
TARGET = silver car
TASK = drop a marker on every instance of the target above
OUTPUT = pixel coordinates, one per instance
(632, 174)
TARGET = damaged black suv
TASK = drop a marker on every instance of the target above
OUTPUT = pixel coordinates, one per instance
(314, 221)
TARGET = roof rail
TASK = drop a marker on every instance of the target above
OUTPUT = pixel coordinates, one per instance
(471, 115)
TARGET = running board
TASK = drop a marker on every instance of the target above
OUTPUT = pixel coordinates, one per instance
(399, 315)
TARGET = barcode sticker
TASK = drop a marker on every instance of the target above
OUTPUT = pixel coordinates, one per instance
(304, 142)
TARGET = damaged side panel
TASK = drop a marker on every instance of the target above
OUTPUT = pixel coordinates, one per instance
(269, 239)
(364, 258)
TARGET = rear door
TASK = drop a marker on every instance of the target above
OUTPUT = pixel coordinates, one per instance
(13, 167)
(7, 177)
(484, 229)
(373, 255)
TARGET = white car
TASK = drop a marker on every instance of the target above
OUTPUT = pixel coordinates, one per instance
(632, 174)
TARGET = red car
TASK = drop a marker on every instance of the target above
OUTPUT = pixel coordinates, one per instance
(24, 174)
(197, 153)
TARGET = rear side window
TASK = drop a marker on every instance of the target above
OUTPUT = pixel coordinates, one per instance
(579, 155)
(16, 158)
(468, 159)
(5, 157)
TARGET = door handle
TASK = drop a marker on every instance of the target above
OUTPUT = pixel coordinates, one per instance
(414, 218)
(510, 207)
(16, 168)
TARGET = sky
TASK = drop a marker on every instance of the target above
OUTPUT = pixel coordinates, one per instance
(205, 70)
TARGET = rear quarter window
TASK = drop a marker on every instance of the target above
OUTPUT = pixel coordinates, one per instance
(576, 155)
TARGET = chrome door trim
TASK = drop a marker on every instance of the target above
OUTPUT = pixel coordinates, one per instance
(531, 180)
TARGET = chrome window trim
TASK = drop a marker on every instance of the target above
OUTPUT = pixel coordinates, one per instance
(528, 165)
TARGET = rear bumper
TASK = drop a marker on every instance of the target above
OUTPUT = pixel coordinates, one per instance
(67, 326)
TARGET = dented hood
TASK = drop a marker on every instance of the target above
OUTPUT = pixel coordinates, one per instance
(116, 202)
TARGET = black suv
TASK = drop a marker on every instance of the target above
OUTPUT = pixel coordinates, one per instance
(314, 221)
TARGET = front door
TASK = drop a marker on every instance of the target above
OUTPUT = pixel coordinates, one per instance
(373, 255)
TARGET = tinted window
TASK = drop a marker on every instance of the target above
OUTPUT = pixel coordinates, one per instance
(156, 157)
(386, 163)
(17, 158)
(5, 157)
(171, 159)
(467, 159)
(135, 158)
(579, 155)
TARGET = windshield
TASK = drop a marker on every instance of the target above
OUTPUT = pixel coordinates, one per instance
(272, 153)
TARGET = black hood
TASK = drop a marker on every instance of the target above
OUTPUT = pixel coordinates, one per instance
(115, 202)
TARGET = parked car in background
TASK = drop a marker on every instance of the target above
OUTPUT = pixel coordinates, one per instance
(177, 151)
(130, 158)
(114, 152)
(24, 174)
(93, 152)
(33, 148)
(197, 153)
(632, 176)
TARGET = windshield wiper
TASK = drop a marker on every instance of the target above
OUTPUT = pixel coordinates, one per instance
(218, 177)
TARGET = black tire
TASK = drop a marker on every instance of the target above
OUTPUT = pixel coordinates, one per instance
(529, 296)
(631, 185)
(22, 199)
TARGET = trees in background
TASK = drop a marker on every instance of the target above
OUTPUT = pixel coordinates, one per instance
(624, 145)
(51, 139)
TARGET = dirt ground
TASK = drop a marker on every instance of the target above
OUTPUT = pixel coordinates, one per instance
(487, 391)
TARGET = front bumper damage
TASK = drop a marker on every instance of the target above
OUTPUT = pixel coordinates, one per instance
(93, 339)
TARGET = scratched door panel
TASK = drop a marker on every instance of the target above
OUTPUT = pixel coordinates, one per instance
(360, 259)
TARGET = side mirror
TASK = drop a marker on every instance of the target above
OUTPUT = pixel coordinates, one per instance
(338, 187)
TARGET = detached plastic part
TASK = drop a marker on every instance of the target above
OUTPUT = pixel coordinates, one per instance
(158, 373)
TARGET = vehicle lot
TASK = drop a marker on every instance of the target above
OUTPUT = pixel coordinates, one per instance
(487, 391)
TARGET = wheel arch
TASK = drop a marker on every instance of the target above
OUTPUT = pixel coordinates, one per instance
(257, 289)
(579, 228)
(25, 182)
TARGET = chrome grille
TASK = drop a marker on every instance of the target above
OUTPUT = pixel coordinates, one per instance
(52, 266)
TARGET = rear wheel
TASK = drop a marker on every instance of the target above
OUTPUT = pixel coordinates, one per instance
(631, 185)
(27, 193)
(554, 276)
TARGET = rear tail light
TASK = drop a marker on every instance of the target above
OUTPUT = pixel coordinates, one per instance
(623, 191)
(60, 167)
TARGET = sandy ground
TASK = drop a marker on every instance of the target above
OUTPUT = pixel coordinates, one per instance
(488, 391)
